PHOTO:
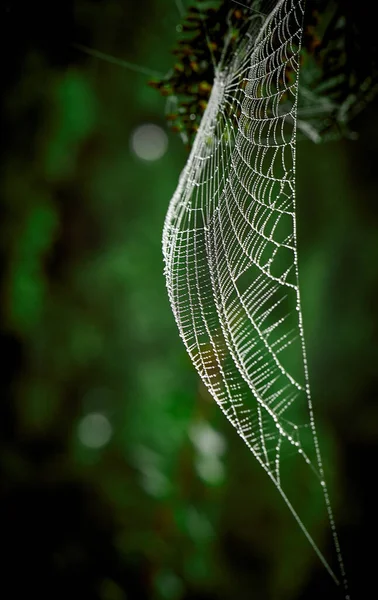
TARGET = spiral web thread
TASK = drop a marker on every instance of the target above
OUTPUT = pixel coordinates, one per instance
(230, 252)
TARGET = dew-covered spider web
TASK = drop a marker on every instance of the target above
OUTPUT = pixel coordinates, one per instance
(230, 253)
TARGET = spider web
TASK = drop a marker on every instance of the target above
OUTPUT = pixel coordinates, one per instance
(230, 252)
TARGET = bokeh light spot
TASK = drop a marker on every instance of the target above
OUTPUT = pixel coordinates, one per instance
(210, 470)
(169, 585)
(94, 430)
(207, 440)
(149, 142)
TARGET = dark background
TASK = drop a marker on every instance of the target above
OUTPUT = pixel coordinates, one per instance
(120, 480)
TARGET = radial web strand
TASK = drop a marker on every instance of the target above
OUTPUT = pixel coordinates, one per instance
(230, 251)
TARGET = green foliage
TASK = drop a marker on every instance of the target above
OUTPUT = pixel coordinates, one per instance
(209, 34)
(337, 80)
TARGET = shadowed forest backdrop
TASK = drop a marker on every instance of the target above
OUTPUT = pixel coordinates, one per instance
(120, 479)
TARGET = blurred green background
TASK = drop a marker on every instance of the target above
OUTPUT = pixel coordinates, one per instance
(120, 479)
